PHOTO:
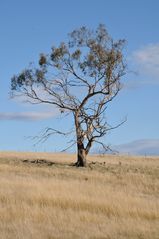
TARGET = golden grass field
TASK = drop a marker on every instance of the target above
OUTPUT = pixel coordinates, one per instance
(116, 197)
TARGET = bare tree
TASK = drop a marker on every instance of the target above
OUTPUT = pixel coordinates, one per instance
(81, 77)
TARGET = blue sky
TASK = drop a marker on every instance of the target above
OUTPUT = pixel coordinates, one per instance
(30, 27)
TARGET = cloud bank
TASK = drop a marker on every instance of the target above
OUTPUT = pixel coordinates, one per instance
(26, 116)
(139, 147)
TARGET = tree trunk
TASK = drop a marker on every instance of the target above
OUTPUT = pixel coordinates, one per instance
(81, 156)
(81, 151)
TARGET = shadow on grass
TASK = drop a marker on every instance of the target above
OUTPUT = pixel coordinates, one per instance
(44, 162)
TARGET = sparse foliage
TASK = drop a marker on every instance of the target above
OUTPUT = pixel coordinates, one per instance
(81, 76)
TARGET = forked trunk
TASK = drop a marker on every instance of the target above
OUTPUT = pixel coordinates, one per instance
(81, 151)
(81, 156)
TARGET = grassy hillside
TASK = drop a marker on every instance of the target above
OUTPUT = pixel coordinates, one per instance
(43, 197)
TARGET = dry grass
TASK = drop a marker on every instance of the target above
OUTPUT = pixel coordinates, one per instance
(114, 198)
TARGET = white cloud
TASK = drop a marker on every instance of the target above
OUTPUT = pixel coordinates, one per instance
(146, 61)
(26, 116)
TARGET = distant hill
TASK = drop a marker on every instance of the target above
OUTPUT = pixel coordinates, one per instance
(139, 147)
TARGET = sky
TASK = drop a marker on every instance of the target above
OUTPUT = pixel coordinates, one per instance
(28, 28)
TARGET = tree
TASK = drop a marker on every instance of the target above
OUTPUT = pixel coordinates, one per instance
(81, 76)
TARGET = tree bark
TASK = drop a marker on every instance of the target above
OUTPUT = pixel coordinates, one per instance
(81, 156)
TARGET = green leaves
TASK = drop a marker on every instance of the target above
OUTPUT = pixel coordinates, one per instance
(24, 78)
(27, 78)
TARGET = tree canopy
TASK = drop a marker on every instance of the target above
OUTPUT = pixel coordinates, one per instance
(80, 76)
